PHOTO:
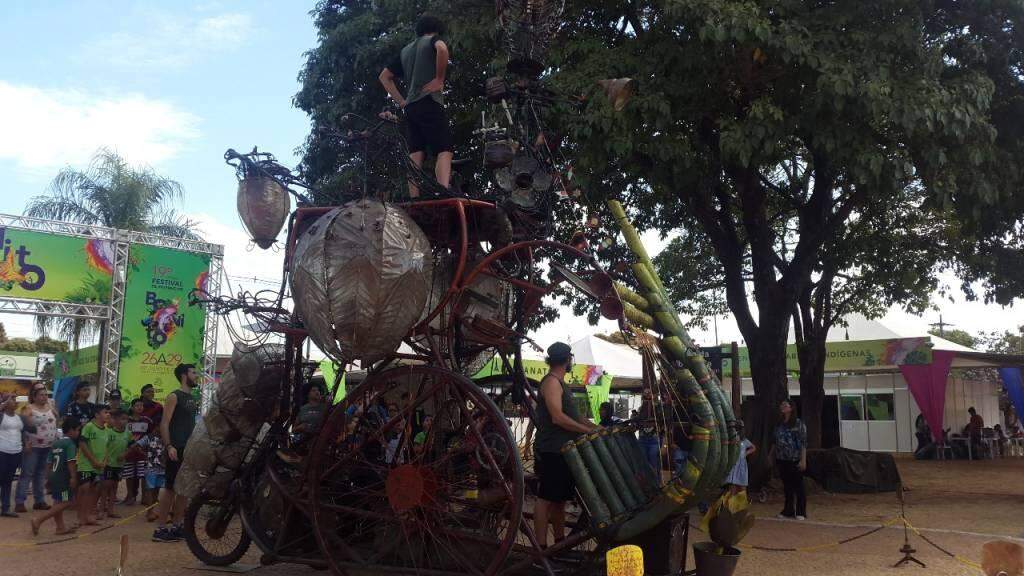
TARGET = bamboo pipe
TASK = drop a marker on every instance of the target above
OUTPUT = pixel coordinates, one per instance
(631, 297)
(601, 480)
(622, 489)
(599, 513)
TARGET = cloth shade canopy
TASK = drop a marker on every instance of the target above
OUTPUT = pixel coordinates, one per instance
(927, 382)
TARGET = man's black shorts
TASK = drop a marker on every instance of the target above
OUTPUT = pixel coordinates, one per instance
(428, 127)
(171, 469)
(556, 482)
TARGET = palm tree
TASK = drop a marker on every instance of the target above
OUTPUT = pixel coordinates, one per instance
(115, 194)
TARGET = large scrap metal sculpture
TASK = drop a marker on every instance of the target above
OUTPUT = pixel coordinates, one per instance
(418, 470)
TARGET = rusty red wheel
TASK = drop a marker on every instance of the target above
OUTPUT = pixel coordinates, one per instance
(416, 470)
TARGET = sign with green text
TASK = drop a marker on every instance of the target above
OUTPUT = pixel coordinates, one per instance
(160, 330)
(594, 379)
(851, 355)
(54, 267)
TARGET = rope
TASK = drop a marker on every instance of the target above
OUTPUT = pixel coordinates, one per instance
(957, 557)
(888, 523)
(79, 535)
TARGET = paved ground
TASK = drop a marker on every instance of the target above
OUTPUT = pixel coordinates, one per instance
(983, 498)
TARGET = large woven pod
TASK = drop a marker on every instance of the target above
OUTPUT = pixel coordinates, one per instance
(263, 205)
(360, 277)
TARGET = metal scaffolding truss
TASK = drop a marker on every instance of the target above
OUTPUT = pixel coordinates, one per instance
(209, 360)
(112, 314)
(46, 308)
(58, 227)
(183, 244)
(111, 357)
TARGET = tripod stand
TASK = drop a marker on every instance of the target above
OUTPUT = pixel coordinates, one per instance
(907, 549)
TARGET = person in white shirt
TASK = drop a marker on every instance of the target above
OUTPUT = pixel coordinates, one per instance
(12, 428)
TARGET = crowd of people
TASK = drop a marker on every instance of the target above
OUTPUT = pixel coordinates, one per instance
(77, 460)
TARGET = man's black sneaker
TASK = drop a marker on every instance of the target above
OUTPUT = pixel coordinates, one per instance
(166, 535)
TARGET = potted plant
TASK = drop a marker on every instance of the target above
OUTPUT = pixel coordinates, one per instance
(727, 523)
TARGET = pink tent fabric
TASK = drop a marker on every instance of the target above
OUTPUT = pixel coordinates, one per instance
(927, 383)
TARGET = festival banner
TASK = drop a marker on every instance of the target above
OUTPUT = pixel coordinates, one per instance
(54, 267)
(851, 355)
(76, 362)
(160, 330)
(595, 382)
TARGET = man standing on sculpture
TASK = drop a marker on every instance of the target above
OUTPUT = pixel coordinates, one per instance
(558, 422)
(422, 64)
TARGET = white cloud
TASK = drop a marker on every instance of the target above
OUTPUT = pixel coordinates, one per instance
(169, 41)
(46, 128)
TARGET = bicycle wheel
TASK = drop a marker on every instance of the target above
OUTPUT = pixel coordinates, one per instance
(214, 531)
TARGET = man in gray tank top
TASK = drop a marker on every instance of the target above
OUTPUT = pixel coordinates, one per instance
(558, 422)
(176, 426)
(423, 63)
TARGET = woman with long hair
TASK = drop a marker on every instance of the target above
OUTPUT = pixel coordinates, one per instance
(41, 413)
(790, 454)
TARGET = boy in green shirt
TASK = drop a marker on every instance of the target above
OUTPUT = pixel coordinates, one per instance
(93, 445)
(63, 478)
(119, 437)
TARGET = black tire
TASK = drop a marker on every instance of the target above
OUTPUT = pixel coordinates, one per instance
(235, 539)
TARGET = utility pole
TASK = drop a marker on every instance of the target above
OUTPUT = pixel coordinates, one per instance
(941, 325)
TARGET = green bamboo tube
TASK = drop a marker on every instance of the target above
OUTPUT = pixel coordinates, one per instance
(631, 297)
(601, 480)
(674, 348)
(648, 486)
(640, 461)
(599, 514)
(707, 420)
(614, 472)
(637, 317)
(625, 465)
(646, 279)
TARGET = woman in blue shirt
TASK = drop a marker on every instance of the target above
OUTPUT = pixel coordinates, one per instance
(790, 453)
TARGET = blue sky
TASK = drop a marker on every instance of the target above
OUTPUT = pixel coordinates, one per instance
(170, 84)
(174, 84)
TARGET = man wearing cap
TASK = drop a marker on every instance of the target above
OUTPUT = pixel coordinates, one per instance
(558, 422)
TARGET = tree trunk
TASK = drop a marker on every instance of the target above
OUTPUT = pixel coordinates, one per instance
(768, 370)
(811, 353)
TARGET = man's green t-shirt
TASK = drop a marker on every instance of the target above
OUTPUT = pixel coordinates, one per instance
(119, 442)
(64, 451)
(98, 441)
(417, 64)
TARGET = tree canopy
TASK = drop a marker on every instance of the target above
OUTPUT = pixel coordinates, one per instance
(809, 159)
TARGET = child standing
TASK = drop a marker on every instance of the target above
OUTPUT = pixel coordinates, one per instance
(134, 471)
(119, 438)
(63, 478)
(738, 477)
(154, 471)
(92, 460)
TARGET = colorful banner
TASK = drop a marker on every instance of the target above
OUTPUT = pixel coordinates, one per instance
(852, 355)
(54, 267)
(595, 381)
(76, 362)
(160, 330)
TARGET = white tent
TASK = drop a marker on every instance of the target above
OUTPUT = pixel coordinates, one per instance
(618, 360)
